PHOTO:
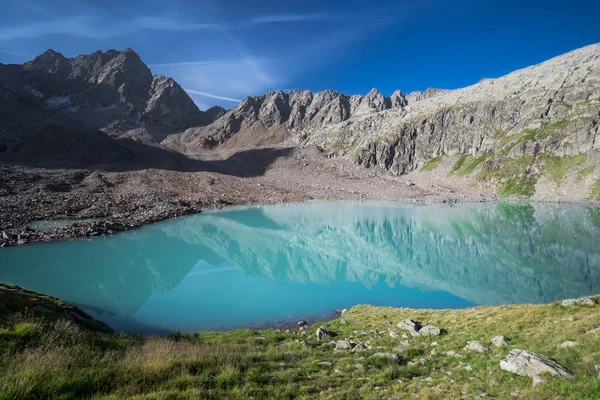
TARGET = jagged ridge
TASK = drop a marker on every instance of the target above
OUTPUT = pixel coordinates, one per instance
(111, 90)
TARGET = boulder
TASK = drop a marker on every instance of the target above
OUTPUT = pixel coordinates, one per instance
(323, 334)
(500, 341)
(361, 346)
(409, 325)
(595, 330)
(430, 330)
(344, 345)
(474, 345)
(566, 344)
(525, 363)
(588, 301)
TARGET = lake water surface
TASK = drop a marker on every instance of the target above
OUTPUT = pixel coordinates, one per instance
(253, 265)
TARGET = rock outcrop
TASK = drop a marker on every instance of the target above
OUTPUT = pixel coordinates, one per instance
(531, 364)
(114, 91)
(535, 125)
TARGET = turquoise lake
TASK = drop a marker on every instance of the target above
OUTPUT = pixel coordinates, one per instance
(245, 267)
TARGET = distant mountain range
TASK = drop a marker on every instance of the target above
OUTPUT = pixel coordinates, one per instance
(530, 133)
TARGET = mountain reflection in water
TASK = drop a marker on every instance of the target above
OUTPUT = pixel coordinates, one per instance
(248, 265)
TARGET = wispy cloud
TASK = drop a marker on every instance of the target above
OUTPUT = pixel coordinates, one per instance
(279, 18)
(14, 53)
(213, 96)
(182, 64)
(91, 26)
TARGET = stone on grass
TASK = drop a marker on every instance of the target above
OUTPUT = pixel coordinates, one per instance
(581, 301)
(595, 330)
(500, 341)
(323, 334)
(537, 380)
(531, 364)
(395, 358)
(409, 325)
(327, 364)
(474, 345)
(343, 345)
(566, 344)
(393, 335)
(430, 330)
(361, 346)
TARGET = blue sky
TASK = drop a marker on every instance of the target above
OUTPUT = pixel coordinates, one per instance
(222, 51)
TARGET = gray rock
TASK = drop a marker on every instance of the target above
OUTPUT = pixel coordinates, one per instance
(395, 358)
(595, 330)
(344, 345)
(531, 364)
(430, 330)
(554, 101)
(327, 364)
(566, 344)
(537, 380)
(323, 334)
(500, 341)
(474, 345)
(361, 346)
(588, 301)
(409, 325)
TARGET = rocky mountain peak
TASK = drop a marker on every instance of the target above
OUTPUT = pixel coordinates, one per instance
(397, 100)
(113, 90)
(416, 96)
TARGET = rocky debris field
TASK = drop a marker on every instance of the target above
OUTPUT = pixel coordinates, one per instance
(514, 351)
(123, 200)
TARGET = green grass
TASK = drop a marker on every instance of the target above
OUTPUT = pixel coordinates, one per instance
(521, 186)
(585, 172)
(595, 191)
(556, 167)
(470, 164)
(432, 164)
(459, 163)
(59, 359)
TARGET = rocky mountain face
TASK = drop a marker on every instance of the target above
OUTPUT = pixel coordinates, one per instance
(299, 111)
(114, 91)
(29, 131)
(531, 133)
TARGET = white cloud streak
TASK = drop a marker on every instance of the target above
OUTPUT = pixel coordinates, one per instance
(279, 18)
(92, 27)
(14, 53)
(213, 96)
(182, 64)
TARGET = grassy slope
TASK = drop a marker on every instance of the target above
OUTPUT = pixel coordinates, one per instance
(61, 359)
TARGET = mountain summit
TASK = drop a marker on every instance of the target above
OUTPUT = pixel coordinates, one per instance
(114, 91)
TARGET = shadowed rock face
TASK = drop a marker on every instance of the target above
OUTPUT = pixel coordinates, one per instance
(111, 90)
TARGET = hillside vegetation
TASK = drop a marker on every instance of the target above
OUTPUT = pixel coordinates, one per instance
(57, 358)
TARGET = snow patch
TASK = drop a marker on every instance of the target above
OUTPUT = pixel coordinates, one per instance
(57, 101)
(34, 91)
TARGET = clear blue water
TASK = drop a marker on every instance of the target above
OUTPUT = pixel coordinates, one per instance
(255, 265)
